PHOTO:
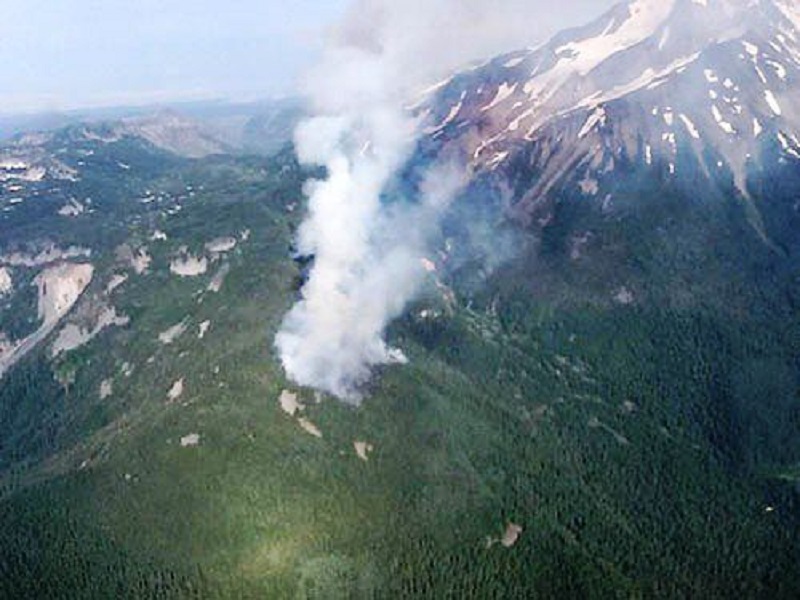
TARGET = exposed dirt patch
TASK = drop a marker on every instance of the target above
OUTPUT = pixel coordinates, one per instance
(309, 427)
(189, 266)
(289, 403)
(190, 441)
(363, 450)
(173, 333)
(176, 391)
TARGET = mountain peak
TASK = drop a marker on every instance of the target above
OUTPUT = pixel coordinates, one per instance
(704, 85)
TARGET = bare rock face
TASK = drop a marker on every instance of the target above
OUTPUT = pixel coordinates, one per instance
(189, 266)
(169, 336)
(75, 335)
(176, 391)
(60, 287)
(290, 403)
(46, 254)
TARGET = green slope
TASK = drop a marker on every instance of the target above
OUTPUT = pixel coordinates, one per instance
(646, 450)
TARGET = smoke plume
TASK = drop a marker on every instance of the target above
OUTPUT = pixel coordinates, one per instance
(368, 249)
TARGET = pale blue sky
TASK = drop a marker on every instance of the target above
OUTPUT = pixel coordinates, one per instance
(66, 53)
(60, 54)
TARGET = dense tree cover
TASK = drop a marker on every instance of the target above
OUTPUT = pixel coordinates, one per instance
(647, 449)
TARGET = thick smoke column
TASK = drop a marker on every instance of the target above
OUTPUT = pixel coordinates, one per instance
(368, 251)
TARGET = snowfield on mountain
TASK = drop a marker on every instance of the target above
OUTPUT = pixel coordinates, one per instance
(678, 85)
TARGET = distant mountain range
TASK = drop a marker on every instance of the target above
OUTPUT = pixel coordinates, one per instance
(191, 130)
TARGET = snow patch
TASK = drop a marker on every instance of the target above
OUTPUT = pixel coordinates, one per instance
(664, 38)
(773, 102)
(751, 49)
(451, 116)
(648, 78)
(645, 17)
(595, 118)
(787, 146)
(503, 93)
(724, 125)
(690, 127)
(780, 70)
(791, 11)
(497, 159)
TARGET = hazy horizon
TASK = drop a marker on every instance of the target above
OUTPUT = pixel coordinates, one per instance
(88, 54)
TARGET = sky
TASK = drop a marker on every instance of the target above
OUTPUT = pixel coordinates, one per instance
(67, 54)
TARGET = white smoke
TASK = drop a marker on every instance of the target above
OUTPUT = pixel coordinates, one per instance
(368, 252)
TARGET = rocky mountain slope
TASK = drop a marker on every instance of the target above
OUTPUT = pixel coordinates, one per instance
(682, 87)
